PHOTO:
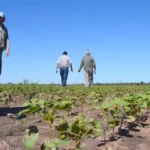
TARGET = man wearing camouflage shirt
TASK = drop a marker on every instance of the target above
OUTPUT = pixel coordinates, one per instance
(4, 40)
(89, 68)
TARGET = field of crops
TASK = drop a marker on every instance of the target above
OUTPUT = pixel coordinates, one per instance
(50, 117)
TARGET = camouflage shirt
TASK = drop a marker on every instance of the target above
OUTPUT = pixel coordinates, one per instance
(4, 40)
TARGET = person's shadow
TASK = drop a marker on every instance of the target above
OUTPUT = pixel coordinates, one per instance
(12, 110)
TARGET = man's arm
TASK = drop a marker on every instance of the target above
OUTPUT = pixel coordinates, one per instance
(70, 63)
(94, 66)
(7, 47)
(7, 44)
(94, 69)
(57, 66)
(81, 65)
(71, 67)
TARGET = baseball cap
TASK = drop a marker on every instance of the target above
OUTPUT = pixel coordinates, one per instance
(2, 14)
(88, 52)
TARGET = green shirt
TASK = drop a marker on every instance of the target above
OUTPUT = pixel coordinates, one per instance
(88, 62)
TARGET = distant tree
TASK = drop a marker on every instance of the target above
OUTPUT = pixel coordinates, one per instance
(142, 82)
(9, 83)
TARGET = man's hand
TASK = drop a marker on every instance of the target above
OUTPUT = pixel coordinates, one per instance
(57, 66)
(94, 71)
(71, 70)
(7, 53)
(79, 70)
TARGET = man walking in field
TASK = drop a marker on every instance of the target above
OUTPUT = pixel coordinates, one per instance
(4, 40)
(63, 63)
(89, 67)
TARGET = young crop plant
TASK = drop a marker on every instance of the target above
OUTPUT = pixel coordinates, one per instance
(78, 129)
(5, 99)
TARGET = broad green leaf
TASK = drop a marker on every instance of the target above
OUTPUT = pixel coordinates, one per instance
(63, 105)
(144, 105)
(112, 123)
(55, 143)
(75, 127)
(127, 108)
(98, 124)
(26, 104)
(63, 126)
(147, 92)
(33, 100)
(30, 110)
(50, 144)
(95, 101)
(93, 94)
(29, 144)
(30, 141)
(98, 132)
(63, 135)
(41, 101)
(120, 102)
(106, 105)
(96, 107)
(90, 131)
(131, 119)
(90, 120)
(82, 118)
(49, 116)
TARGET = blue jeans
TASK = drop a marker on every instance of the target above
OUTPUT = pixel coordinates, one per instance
(64, 75)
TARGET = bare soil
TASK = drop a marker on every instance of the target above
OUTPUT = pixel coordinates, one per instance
(12, 133)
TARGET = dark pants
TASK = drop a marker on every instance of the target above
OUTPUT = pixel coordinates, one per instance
(64, 75)
(1, 52)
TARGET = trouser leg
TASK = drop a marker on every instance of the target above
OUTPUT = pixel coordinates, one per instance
(91, 78)
(61, 75)
(86, 78)
(66, 71)
(1, 61)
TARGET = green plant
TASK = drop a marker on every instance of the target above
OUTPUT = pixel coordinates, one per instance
(78, 129)
(30, 139)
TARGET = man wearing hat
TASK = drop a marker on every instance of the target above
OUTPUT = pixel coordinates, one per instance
(4, 39)
(89, 67)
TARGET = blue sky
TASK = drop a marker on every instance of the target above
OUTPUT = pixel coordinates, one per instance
(116, 31)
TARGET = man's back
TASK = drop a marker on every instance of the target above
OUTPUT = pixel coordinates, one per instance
(64, 61)
(3, 36)
(88, 62)
(89, 65)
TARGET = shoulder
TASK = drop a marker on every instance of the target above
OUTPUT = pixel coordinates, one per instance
(68, 57)
(83, 57)
(92, 57)
(60, 58)
(4, 27)
(63, 57)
